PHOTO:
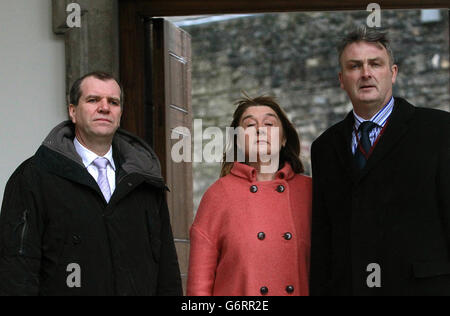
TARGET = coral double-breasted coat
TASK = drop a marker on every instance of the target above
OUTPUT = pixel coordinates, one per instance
(252, 238)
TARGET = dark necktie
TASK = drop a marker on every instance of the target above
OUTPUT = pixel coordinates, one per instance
(365, 128)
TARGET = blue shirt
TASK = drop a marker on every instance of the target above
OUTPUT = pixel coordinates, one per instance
(380, 119)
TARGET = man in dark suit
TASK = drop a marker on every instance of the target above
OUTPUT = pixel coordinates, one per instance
(381, 208)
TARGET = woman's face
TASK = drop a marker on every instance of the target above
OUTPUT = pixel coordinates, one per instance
(264, 135)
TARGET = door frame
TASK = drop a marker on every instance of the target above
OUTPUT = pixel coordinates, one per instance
(133, 12)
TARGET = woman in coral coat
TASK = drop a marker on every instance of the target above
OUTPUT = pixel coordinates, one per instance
(251, 235)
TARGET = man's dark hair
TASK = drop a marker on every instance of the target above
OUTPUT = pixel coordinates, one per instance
(369, 35)
(75, 91)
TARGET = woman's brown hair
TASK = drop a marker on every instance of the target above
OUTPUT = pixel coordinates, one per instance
(289, 153)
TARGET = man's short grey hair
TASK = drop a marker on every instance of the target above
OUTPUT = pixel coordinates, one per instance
(369, 35)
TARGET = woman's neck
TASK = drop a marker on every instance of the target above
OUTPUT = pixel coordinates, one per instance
(262, 176)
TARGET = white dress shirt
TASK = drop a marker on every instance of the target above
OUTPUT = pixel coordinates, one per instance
(88, 158)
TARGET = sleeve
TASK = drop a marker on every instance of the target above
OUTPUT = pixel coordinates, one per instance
(169, 278)
(202, 265)
(20, 239)
(443, 180)
(204, 253)
(320, 270)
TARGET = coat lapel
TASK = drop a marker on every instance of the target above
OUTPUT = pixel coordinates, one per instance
(57, 164)
(396, 129)
(342, 145)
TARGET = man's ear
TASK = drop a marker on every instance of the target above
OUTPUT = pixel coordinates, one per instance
(341, 80)
(394, 70)
(72, 110)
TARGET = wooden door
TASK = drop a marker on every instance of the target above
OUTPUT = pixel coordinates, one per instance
(169, 90)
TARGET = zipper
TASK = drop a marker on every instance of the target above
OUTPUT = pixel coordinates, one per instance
(24, 230)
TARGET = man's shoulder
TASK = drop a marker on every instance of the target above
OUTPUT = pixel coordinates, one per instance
(24, 173)
(433, 115)
(37, 166)
(329, 134)
(26, 166)
(426, 114)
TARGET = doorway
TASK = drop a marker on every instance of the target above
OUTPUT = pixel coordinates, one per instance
(152, 120)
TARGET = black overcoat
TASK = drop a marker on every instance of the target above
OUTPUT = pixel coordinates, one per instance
(54, 215)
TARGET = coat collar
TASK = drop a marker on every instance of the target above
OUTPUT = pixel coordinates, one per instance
(130, 153)
(88, 156)
(134, 160)
(397, 128)
(249, 173)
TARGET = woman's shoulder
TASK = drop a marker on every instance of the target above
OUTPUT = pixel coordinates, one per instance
(213, 205)
(221, 188)
(302, 182)
(307, 180)
(215, 190)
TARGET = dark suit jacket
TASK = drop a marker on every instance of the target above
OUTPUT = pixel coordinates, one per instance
(395, 212)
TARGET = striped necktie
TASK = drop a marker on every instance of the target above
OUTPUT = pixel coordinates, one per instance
(102, 180)
(360, 158)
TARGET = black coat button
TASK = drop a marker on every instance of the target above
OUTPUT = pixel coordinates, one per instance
(76, 240)
(264, 290)
(253, 189)
(288, 236)
(281, 189)
(261, 236)
(290, 289)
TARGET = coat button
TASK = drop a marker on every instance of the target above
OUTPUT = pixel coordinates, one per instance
(290, 289)
(264, 290)
(76, 240)
(261, 236)
(281, 189)
(288, 236)
(253, 189)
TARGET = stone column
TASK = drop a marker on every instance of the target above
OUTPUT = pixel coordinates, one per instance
(95, 44)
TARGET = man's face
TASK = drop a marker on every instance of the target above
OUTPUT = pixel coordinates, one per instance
(367, 76)
(97, 115)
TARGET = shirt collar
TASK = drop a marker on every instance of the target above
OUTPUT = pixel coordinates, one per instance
(380, 118)
(88, 156)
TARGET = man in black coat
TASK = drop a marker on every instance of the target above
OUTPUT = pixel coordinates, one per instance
(86, 215)
(381, 207)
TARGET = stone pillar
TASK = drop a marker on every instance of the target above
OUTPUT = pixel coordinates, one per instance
(95, 44)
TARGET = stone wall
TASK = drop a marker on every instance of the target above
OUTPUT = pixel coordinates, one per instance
(293, 56)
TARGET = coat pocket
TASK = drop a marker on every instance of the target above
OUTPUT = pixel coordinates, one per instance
(431, 269)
